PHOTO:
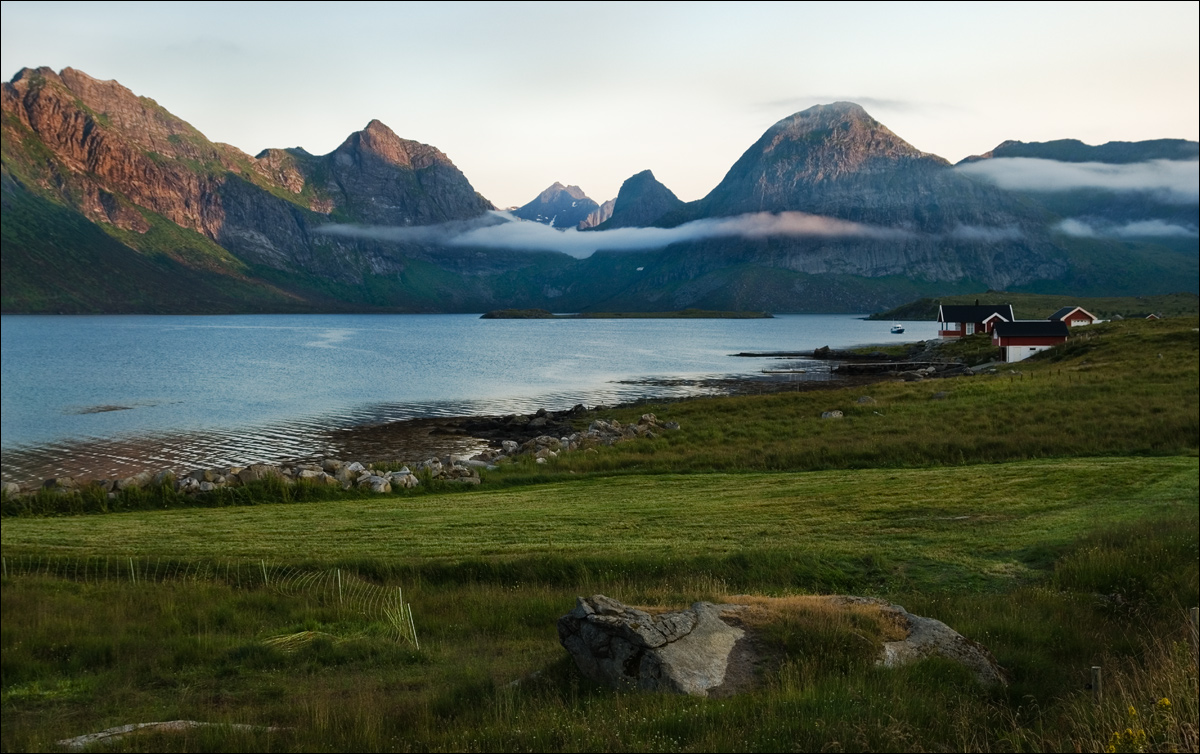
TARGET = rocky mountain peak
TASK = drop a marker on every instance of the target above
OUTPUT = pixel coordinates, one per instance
(27, 76)
(378, 140)
(556, 191)
(641, 201)
(381, 143)
(47, 97)
(831, 140)
(817, 160)
(559, 206)
(395, 181)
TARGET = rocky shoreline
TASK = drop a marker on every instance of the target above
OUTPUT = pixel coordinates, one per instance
(382, 476)
(449, 449)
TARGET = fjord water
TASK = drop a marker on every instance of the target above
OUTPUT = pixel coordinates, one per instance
(99, 394)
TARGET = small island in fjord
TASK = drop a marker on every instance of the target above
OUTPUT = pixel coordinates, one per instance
(682, 314)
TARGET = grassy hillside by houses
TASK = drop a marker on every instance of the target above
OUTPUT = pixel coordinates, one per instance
(1114, 389)
(1048, 511)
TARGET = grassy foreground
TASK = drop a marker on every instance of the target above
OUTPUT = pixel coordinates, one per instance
(1050, 515)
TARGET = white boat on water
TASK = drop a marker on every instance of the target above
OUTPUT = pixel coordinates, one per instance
(897, 328)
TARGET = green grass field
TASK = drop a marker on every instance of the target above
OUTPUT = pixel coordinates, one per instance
(1050, 515)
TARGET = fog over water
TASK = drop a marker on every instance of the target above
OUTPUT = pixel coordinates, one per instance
(102, 393)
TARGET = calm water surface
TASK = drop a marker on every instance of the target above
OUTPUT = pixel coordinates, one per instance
(96, 394)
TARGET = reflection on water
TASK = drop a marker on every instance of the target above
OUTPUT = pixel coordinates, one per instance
(102, 397)
(377, 432)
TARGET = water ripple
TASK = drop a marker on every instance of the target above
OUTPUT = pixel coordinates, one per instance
(336, 434)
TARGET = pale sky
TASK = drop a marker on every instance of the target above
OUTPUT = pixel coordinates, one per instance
(520, 95)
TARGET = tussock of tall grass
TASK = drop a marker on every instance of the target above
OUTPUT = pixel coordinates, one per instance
(810, 612)
(1149, 703)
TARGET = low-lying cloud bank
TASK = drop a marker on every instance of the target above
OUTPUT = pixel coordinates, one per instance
(500, 230)
(1085, 228)
(1169, 181)
(535, 236)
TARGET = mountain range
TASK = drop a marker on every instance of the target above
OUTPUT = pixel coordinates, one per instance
(112, 204)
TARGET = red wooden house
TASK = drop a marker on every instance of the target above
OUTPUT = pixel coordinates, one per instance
(1074, 316)
(1023, 338)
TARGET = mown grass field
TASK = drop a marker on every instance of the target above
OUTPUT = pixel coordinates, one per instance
(969, 526)
(1050, 515)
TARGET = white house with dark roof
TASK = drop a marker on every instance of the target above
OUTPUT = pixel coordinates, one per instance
(1023, 338)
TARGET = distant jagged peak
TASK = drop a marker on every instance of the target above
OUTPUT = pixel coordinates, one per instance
(555, 191)
(559, 206)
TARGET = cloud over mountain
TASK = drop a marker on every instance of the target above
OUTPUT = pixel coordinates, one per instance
(1081, 228)
(1169, 181)
(506, 232)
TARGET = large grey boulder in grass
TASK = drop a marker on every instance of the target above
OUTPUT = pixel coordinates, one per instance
(685, 652)
(928, 637)
(711, 650)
